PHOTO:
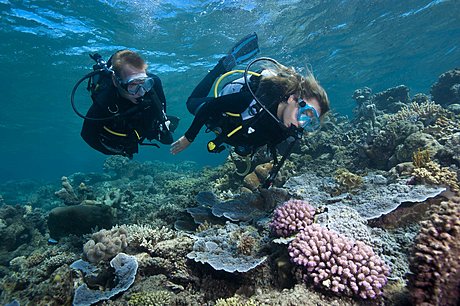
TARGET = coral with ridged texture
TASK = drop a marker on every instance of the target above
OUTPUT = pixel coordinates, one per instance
(292, 217)
(104, 245)
(338, 264)
(435, 262)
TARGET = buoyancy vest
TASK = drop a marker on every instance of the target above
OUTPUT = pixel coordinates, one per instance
(248, 130)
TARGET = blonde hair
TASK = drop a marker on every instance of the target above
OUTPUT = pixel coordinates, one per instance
(127, 57)
(277, 86)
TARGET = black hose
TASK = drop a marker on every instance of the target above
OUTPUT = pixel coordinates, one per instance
(72, 97)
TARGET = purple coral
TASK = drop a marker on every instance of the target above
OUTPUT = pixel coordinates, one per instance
(337, 263)
(435, 262)
(292, 217)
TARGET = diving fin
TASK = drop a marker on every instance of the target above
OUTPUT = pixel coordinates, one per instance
(245, 49)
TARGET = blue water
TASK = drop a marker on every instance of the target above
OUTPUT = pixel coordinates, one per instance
(349, 44)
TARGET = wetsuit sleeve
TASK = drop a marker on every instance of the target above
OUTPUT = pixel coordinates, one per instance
(214, 107)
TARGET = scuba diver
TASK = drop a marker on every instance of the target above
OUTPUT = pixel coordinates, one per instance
(128, 107)
(264, 108)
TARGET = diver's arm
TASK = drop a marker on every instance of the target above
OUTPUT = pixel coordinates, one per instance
(235, 103)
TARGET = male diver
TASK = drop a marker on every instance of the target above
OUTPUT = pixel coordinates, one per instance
(128, 107)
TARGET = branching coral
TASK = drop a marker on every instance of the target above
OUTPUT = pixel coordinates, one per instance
(154, 298)
(421, 158)
(235, 301)
(432, 173)
(435, 262)
(292, 217)
(146, 237)
(71, 197)
(427, 171)
(427, 112)
(337, 263)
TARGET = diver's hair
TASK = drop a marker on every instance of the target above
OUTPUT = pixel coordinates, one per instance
(282, 82)
(127, 57)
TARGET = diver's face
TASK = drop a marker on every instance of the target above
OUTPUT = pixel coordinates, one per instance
(289, 112)
(128, 73)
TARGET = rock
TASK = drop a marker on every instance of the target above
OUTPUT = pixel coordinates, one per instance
(78, 219)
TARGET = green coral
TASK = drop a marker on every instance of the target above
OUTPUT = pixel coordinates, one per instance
(151, 298)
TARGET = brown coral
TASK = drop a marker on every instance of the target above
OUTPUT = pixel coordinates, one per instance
(435, 262)
(347, 181)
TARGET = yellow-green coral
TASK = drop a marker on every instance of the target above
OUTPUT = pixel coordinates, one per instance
(150, 298)
(421, 158)
(347, 181)
(432, 173)
(235, 301)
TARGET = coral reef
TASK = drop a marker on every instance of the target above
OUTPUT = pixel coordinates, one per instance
(238, 263)
(253, 180)
(83, 195)
(292, 217)
(432, 173)
(347, 181)
(377, 197)
(392, 99)
(339, 264)
(446, 90)
(125, 267)
(435, 262)
(426, 112)
(105, 244)
(150, 298)
(145, 237)
(221, 248)
(235, 301)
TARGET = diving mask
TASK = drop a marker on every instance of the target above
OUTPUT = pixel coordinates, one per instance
(307, 116)
(138, 84)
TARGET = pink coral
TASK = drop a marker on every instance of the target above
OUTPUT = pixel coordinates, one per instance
(292, 217)
(337, 263)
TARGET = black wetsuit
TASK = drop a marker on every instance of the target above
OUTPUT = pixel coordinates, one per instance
(209, 110)
(122, 135)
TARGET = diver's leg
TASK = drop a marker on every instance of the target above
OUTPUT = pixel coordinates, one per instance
(200, 93)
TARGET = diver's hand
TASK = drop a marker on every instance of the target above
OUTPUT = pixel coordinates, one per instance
(179, 145)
